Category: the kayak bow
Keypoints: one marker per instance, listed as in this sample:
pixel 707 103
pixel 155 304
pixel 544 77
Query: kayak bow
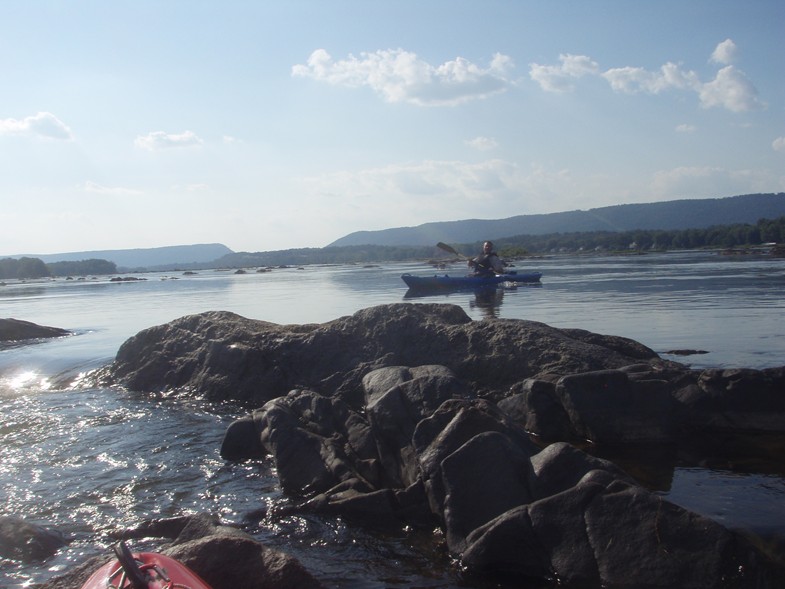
pixel 144 570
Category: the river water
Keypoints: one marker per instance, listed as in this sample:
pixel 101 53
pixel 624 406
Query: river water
pixel 88 461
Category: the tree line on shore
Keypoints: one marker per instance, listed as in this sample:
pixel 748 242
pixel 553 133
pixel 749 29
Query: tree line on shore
pixel 30 268
pixel 722 236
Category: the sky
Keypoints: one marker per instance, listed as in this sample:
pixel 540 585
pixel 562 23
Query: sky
pixel 275 125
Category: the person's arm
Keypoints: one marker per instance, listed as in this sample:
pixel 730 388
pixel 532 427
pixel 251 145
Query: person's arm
pixel 497 264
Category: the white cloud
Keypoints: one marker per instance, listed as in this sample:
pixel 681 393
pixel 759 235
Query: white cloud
pixel 685 128
pixel 401 76
pixel 632 80
pixel 160 140
pixel 731 89
pixel 778 144
pixel 724 53
pixel 559 78
pixel 96 188
pixel 482 143
pixel 42 124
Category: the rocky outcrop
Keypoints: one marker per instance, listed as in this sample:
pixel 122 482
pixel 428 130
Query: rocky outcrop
pixel 508 506
pixel 224 356
pixel 226 558
pixel 14 330
pixel 416 415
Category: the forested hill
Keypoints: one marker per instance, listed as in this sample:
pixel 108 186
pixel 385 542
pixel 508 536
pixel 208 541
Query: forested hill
pixel 670 215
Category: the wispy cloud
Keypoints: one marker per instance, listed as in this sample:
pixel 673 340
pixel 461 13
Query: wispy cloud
pixel 705 181
pixel 158 140
pixel 482 143
pixel 42 124
pixel 401 76
pixel 778 144
pixel 685 128
pixel 419 191
pixel 96 188
pixel 632 80
pixel 730 89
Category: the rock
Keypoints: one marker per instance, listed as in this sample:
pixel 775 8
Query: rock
pixel 604 532
pixel 223 356
pixel 607 406
pixel 535 404
pixel 560 467
pixel 397 399
pixel 231 562
pixel 507 506
pixel 469 501
pixel 242 440
pixel 27 542
pixel 226 558
pixel 317 443
pixel 454 424
pixel 414 414
pixel 18 330
pixel 735 400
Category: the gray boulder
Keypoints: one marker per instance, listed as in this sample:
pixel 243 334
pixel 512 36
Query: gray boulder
pixel 507 506
pixel 606 532
pixel 13 330
pixel 735 400
pixel 224 356
pixel 27 542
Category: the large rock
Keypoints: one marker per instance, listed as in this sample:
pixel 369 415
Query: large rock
pixel 223 556
pixel 18 330
pixel 735 400
pixel 604 532
pixel 415 414
pixel 507 506
pixel 223 356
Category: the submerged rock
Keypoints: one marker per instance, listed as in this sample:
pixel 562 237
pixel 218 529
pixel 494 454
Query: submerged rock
pixel 27 542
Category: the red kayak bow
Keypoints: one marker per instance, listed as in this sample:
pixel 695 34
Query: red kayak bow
pixel 144 570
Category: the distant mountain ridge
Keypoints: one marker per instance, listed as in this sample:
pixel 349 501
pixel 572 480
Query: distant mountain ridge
pixel 668 215
pixel 148 258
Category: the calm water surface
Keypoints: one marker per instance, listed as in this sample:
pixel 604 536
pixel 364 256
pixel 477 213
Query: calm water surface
pixel 88 461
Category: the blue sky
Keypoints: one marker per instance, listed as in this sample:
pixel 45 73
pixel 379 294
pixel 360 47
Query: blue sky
pixel 273 125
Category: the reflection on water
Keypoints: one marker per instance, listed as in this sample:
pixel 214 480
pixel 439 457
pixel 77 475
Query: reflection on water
pixel 488 301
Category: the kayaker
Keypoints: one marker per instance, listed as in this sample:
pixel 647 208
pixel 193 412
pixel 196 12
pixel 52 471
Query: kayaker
pixel 488 262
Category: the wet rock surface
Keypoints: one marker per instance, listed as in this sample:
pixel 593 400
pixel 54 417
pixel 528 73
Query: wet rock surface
pixel 416 415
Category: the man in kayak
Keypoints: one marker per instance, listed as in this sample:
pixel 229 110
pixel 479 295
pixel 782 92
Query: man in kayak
pixel 488 262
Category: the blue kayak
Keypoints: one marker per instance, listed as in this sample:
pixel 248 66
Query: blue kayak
pixel 446 282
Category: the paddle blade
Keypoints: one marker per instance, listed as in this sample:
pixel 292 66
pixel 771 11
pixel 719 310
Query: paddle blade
pixel 447 248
